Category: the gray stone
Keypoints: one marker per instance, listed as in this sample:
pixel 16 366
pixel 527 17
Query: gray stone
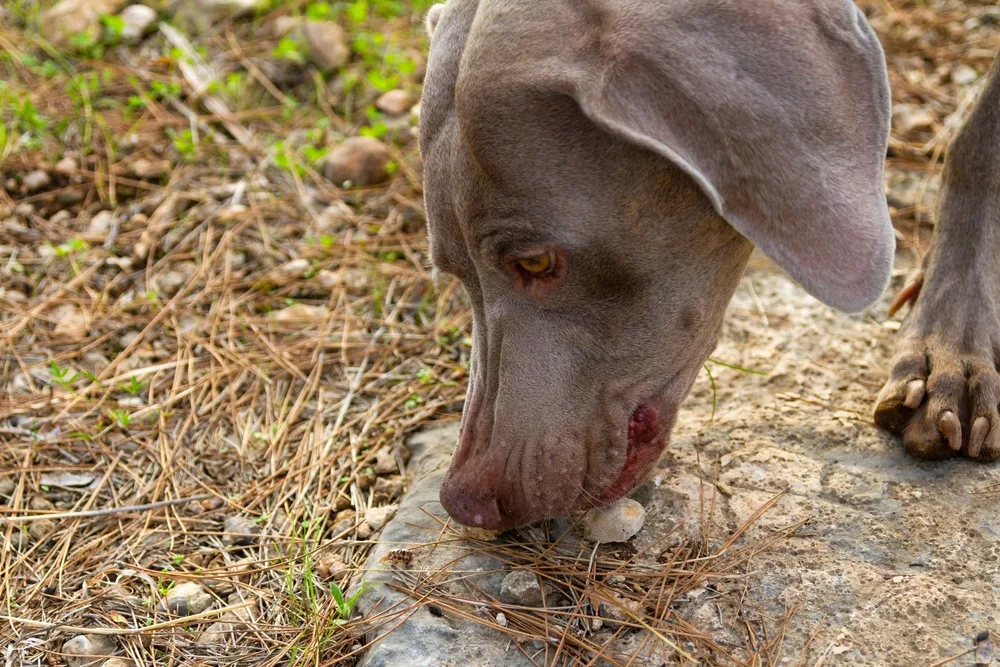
pixel 909 117
pixel 149 170
pixel 377 517
pixel 68 18
pixel 385 462
pixel 963 75
pixel 327 44
pixel 39 530
pixel 521 587
pixel 66 166
pixel 88 650
pixel 101 223
pixel 424 639
pixel 359 161
pixel 118 662
pixel 138 19
pixel 239 531
pixel 187 599
pixel 394 102
pixel 36 180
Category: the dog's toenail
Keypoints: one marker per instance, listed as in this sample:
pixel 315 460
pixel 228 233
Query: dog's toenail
pixel 951 428
pixel 915 391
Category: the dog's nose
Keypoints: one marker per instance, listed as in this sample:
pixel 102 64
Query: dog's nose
pixel 472 504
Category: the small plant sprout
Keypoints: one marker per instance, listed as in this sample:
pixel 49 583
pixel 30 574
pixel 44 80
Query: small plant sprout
pixel 121 417
pixel 345 606
pixel 64 377
pixel 134 387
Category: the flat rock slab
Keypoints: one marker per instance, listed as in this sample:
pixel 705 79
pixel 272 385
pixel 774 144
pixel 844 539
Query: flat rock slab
pixel 896 561
pixel 421 635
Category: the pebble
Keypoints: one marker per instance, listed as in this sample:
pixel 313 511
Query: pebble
pixel 137 19
pixel 149 170
pixel 360 161
pixel 67 166
pixel 216 633
pixel 209 504
pixel 521 587
pixel 95 361
pixel 71 322
pixel 187 599
pixel 300 312
pixel 963 75
pixel 909 117
pixel 88 650
pixel 39 530
pixel 618 611
pixel 366 478
pixel 67 478
pixel 60 217
pixel 377 517
pixel 170 282
pixel 7 486
pixel 240 531
pixel 327 44
pixel 395 102
pixel 283 25
pixel 344 521
pixel 101 223
pixel 331 565
pixel 36 180
pixel 353 280
pixel 388 487
pixel 481 534
pixel 617 522
pixel 223 629
pixel 290 272
pixel 68 18
pixel 385 462
pixel 118 662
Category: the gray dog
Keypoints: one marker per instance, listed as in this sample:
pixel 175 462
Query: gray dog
pixel 597 174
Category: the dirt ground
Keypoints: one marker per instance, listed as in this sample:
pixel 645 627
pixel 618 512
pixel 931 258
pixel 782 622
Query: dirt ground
pixel 897 561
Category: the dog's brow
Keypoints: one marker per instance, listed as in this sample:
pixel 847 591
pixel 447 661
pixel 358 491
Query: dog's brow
pixel 500 237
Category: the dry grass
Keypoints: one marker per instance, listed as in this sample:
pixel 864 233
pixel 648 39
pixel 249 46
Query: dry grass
pixel 607 605
pixel 188 359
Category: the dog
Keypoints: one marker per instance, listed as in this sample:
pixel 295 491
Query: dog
pixel 597 173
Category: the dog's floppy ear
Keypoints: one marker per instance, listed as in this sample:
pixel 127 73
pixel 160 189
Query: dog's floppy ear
pixel 779 109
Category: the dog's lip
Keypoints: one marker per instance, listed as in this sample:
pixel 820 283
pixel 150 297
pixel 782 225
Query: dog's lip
pixel 643 450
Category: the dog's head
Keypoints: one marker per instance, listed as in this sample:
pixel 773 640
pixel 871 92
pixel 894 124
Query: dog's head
pixel 595 174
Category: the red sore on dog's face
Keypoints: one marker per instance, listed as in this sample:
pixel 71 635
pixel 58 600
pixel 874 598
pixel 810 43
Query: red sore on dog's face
pixel 597 275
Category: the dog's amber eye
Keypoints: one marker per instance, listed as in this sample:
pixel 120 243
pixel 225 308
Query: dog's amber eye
pixel 538 265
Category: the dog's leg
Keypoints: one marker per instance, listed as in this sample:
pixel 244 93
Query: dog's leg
pixel 944 387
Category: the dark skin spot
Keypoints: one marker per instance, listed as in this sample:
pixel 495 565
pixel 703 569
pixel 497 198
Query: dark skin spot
pixel 690 319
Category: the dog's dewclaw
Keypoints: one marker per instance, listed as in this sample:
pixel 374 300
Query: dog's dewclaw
pixel 617 522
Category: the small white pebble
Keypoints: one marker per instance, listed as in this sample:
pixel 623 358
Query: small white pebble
pixel 502 620
pixel 617 522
